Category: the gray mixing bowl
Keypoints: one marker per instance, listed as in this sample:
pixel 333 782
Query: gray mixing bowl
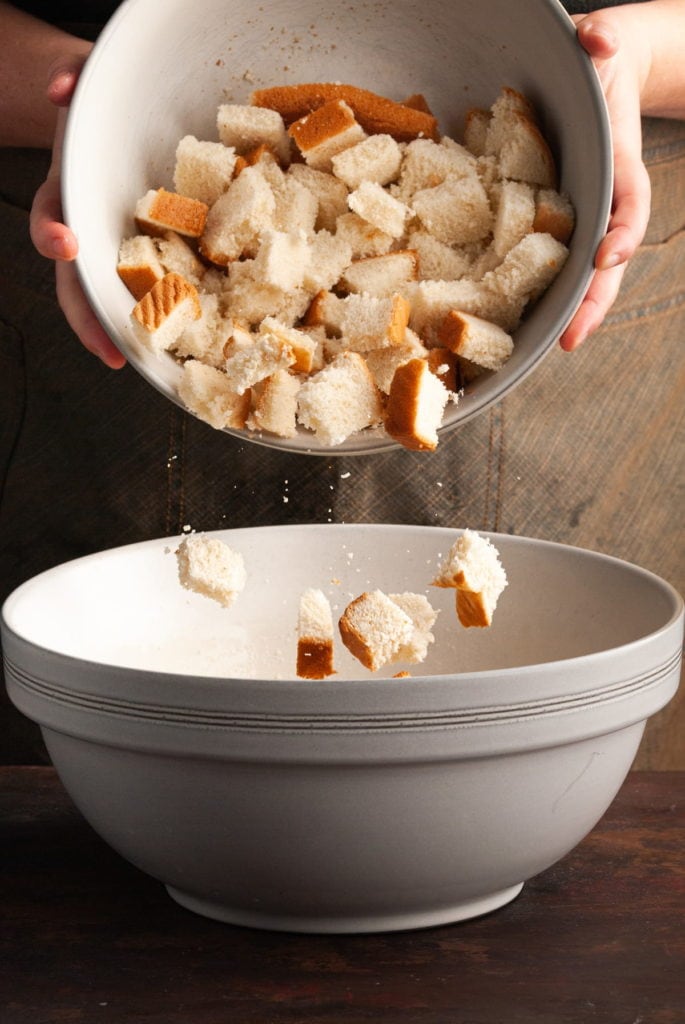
pixel 357 803
pixel 172 72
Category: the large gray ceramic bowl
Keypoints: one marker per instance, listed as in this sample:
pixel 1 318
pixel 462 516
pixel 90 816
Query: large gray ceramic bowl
pixel 356 803
pixel 157 74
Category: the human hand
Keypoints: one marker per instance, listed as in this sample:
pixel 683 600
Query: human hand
pixel 57 242
pixel 612 38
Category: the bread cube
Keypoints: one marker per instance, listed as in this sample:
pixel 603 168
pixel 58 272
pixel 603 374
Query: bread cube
pixel 210 567
pixel 340 399
pixel 275 404
pixel 159 211
pixel 416 404
pixel 161 316
pixel 456 211
pixel 377 158
pixel 207 392
pixel 245 128
pixel 314 636
pixel 203 170
pixel 139 266
pixel 325 132
pixel 375 205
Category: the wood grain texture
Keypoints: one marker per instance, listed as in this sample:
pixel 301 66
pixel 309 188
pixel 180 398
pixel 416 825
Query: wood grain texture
pixel 87 938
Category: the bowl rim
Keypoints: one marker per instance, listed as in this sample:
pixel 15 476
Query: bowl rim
pixel 372 440
pixel 338 684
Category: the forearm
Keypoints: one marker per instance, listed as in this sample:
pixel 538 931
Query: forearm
pixel 658 27
pixel 32 52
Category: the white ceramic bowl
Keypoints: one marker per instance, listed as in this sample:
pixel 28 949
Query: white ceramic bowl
pixel 357 803
pixel 156 75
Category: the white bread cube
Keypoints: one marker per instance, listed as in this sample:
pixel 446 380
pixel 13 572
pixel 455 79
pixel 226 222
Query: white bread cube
pixel 479 341
pixel 304 346
pixel 245 128
pixel 476 123
pixel 139 266
pixel 473 567
pixel 363 238
pixel 163 313
pixel 374 628
pixel 554 214
pixel 456 211
pixel 238 218
pixel 296 208
pixel 175 254
pixel 529 267
pixel 514 217
pixel 383 362
pixel 325 132
pixel 436 260
pixel 203 170
pixel 431 300
pixel 415 407
pixel 265 161
pixel 329 258
pixel 274 405
pixel 381 275
pixel 339 400
pixel 245 297
pixel 375 205
pixel 369 322
pixel 524 154
pixel 210 567
pixel 330 194
pixel 426 164
pixel 204 339
pixel 282 260
pixel 248 365
pixel 484 263
pixel 326 310
pixel 207 392
pixel 377 158
pixel 314 636
pixel 509 105
pixel 292 306
pixel 423 616
pixel 158 211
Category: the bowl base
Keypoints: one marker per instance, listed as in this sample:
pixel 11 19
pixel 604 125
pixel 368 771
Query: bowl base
pixel 346 925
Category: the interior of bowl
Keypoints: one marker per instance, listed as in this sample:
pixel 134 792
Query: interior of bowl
pixel 154 78
pixel 126 607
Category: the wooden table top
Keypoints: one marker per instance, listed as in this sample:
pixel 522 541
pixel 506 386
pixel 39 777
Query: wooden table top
pixel 86 937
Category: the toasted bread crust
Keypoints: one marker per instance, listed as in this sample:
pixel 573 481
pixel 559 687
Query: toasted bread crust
pixel 164 296
pixel 172 211
pixel 326 122
pixel 445 361
pixel 471 609
pixel 403 405
pixel 139 279
pixel 314 658
pixel 452 331
pixel 353 640
pixel 376 114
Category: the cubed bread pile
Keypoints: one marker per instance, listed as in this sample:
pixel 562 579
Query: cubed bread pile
pixel 378 629
pixel 332 263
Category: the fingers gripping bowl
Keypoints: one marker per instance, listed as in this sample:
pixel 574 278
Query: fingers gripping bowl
pixel 356 803
pixel 117 147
